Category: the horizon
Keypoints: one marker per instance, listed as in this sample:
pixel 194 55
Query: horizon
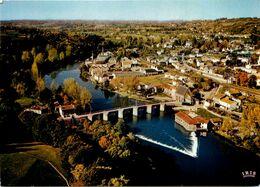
pixel 129 10
pixel 124 21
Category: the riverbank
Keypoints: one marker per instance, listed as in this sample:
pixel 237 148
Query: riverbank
pixel 229 139
pixel 154 99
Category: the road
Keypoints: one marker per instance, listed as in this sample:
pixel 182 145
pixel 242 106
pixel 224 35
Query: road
pixel 250 91
pixel 211 76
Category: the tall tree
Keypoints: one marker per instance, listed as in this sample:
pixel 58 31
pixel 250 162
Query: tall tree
pixel 68 51
pixel 243 78
pixel 39 58
pixel 61 55
pixel 52 54
pixel 26 56
pixel 40 84
pixel 34 71
pixel 54 85
pixel 252 81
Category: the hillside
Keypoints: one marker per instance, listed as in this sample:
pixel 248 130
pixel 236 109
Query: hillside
pixel 27 164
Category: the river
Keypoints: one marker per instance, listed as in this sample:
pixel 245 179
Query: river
pixel 206 160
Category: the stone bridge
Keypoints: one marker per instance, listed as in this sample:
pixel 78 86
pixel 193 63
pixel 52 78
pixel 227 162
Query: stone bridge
pixel 120 111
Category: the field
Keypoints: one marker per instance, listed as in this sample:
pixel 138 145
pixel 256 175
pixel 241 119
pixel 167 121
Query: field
pixel 204 113
pixel 27 164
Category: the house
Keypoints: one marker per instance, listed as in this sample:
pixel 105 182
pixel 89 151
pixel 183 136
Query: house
pixel 169 76
pixel 206 104
pixel 149 71
pixel 258 79
pixel 66 110
pixel 96 70
pixel 195 51
pixel 158 69
pixel 37 109
pixel 170 90
pixel 103 58
pixel 126 63
pixel 100 74
pixel 184 95
pixel 191 121
pixel 147 89
pixel 188 44
pixel 160 52
pixel 233 93
pixel 226 102
pixel 127 74
pixel 112 62
pixel 216 122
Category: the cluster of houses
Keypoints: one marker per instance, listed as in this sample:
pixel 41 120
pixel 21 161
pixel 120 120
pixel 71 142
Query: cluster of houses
pixel 105 67
pixel 229 100
pixel 210 61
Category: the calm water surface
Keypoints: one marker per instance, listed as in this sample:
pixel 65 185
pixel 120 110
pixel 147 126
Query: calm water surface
pixel 201 160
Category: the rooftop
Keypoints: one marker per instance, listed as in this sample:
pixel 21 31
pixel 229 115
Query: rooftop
pixel 191 118
pixel 227 100
pixel 68 107
pixel 219 96
pixel 182 90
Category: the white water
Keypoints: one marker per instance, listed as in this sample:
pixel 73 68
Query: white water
pixel 192 152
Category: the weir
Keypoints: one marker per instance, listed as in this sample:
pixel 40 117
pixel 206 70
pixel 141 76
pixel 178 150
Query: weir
pixel 192 152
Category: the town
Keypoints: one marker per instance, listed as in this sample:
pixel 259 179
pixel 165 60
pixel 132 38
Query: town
pixel 221 80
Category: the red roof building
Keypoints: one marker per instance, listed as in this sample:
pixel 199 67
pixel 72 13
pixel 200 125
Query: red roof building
pixel 191 121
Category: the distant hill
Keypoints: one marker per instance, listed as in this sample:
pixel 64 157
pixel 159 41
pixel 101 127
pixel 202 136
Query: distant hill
pixel 232 26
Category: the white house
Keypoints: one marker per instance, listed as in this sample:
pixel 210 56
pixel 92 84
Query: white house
pixel 258 79
pixel 126 63
pixel 226 102
pixel 169 76
pixel 170 90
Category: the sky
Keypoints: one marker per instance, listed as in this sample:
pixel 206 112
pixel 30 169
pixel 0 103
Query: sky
pixel 161 10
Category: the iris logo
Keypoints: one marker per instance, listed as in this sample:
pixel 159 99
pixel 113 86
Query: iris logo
pixel 250 174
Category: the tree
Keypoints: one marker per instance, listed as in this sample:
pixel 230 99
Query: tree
pixel 227 125
pixel 54 85
pixel 252 81
pixel 85 97
pixel 243 78
pixel 40 84
pixel 52 54
pixel 78 93
pixel 34 71
pixel 26 56
pixel 21 88
pixel 72 88
pixel 33 52
pixel 254 36
pixel 104 142
pixel 61 56
pixel 68 51
pixel 121 181
pixel 39 58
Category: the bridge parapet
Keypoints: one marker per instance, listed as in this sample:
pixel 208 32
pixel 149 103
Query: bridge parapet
pixel 105 113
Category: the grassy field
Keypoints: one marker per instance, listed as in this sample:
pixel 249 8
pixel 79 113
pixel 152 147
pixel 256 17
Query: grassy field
pixel 27 164
pixel 25 101
pixel 204 113
pixel 154 80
